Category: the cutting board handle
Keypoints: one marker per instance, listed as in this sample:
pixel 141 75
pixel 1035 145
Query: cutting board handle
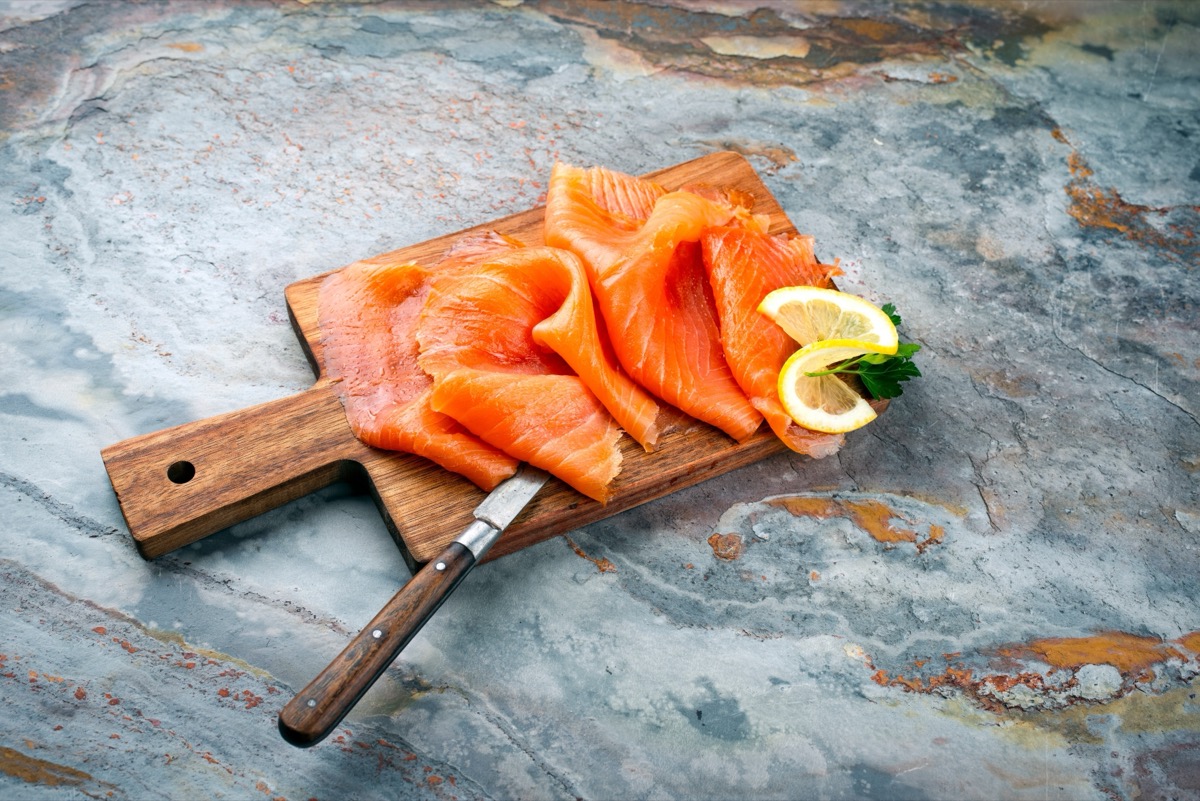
pixel 181 484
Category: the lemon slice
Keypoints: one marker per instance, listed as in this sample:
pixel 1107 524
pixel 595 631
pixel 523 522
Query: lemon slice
pixel 825 403
pixel 810 314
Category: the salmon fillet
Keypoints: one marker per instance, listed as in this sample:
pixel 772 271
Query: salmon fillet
pixel 367 316
pixel 743 267
pixel 518 357
pixel 641 246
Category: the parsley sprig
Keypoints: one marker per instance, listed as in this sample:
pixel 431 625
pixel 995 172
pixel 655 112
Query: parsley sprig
pixel 879 373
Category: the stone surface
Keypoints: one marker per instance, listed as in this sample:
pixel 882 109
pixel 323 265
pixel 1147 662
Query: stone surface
pixel 989 593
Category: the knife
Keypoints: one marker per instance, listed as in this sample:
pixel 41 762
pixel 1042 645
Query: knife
pixel 319 708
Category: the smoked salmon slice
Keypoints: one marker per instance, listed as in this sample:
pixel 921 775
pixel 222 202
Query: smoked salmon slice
pixel 576 333
pixel 368 314
pixel 641 245
pixel 743 267
pixel 517 356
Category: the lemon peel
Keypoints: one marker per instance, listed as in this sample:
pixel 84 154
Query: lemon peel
pixel 811 314
pixel 825 402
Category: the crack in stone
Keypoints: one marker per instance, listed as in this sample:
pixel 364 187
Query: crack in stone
pixel 982 486
pixel 893 444
pixel 94 529
pixel 512 735
pixel 86 525
pixel 227 586
pixel 1116 373
pixel 1019 416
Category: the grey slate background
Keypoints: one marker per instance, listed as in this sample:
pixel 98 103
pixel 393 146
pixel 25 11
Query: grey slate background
pixel 1022 181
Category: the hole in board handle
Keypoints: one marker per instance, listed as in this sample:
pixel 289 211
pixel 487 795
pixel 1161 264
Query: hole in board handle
pixel 181 472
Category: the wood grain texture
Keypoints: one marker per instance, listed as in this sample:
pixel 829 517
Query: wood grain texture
pixel 314 712
pixel 252 460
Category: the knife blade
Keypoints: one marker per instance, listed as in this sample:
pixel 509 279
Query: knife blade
pixel 320 707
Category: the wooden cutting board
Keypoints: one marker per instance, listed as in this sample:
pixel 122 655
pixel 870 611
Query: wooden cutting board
pixel 181 484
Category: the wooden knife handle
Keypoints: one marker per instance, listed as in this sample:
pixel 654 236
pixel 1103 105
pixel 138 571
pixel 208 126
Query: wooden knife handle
pixel 319 708
pixel 181 484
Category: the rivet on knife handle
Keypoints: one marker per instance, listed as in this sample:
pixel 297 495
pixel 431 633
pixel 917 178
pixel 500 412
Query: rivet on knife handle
pixel 320 707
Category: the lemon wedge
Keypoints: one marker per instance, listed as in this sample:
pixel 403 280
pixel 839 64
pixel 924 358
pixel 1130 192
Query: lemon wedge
pixel 811 314
pixel 825 403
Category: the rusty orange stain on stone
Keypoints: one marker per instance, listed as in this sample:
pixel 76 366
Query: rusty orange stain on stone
pixel 826 47
pixel 602 564
pixel 126 644
pixel 963 679
pixel 1095 207
pixel 251 699
pixel 875 517
pixel 187 47
pixel 1191 642
pixel 872 516
pixel 1128 653
pixel 1131 654
pixel 39 771
pixel 726 546
pixel 871 29
pixel 936 535
pixel 1077 166
pixel 950 677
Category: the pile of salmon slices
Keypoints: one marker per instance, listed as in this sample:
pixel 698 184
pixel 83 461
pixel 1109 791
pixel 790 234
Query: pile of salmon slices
pixel 637 299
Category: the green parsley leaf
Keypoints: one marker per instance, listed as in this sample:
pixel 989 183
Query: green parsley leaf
pixel 890 310
pixel 881 374
pixel 883 380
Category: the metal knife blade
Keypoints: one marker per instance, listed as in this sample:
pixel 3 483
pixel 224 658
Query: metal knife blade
pixel 505 502
pixel 500 508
